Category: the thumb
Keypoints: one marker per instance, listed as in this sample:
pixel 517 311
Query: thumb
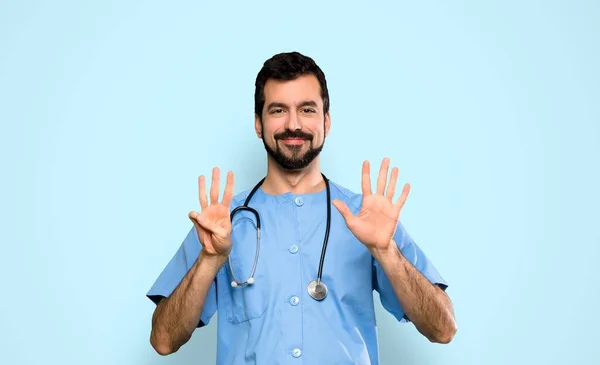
pixel 193 216
pixel 212 227
pixel 344 210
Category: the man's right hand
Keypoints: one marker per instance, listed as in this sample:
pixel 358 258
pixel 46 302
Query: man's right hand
pixel 176 317
pixel 213 223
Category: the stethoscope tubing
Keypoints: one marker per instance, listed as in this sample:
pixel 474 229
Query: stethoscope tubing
pixel 245 207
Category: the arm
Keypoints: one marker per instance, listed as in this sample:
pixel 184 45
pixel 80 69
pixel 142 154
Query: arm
pixel 376 226
pixel 177 316
pixel 424 303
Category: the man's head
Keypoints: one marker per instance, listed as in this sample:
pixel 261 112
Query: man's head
pixel 291 106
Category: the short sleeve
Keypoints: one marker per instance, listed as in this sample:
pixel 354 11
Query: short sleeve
pixel 417 258
pixel 176 269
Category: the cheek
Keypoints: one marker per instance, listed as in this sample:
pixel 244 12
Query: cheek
pixel 273 127
pixel 268 133
pixel 318 130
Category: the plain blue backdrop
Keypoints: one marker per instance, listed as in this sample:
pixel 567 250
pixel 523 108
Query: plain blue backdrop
pixel 110 110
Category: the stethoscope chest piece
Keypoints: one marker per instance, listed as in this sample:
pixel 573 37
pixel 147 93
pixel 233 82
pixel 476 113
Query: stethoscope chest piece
pixel 317 290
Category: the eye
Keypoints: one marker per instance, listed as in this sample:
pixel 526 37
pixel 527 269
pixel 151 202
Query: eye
pixel 276 111
pixel 309 110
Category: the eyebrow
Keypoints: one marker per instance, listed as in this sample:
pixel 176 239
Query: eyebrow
pixel 308 103
pixel 282 105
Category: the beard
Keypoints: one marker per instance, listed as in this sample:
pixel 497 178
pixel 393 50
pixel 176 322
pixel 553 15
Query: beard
pixel 297 160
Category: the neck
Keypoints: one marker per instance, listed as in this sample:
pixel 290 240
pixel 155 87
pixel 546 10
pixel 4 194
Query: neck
pixel 279 181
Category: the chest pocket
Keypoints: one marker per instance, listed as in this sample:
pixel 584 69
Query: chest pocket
pixel 243 303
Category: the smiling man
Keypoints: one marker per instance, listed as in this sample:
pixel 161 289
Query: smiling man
pixel 306 297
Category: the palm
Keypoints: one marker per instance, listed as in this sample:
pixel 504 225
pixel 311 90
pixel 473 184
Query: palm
pixel 213 224
pixel 212 242
pixel 376 222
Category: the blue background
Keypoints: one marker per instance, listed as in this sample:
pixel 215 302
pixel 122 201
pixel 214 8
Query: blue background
pixel 110 110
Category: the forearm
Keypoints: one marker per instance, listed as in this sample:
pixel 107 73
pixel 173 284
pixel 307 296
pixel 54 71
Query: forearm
pixel 177 316
pixel 425 304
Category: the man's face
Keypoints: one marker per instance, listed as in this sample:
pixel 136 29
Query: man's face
pixel 294 126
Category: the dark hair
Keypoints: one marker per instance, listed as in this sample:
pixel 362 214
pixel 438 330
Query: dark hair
pixel 287 66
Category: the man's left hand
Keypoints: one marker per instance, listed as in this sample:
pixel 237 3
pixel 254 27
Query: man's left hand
pixel 377 220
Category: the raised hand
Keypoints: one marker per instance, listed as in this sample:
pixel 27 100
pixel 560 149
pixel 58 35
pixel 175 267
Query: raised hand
pixel 213 223
pixel 377 220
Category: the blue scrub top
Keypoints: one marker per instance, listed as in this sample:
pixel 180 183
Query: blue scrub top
pixel 275 321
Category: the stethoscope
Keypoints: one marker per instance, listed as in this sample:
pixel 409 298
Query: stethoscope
pixel 316 288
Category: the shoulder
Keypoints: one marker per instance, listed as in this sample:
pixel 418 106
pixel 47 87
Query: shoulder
pixel 352 199
pixel 239 198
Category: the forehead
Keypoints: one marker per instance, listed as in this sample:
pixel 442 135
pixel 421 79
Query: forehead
pixel 301 89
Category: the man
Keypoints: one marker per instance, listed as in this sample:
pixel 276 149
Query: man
pixel 281 314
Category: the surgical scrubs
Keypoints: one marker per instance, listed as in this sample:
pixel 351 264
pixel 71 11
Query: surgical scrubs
pixel 275 321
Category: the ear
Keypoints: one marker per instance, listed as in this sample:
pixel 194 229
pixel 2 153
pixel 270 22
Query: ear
pixel 327 123
pixel 257 126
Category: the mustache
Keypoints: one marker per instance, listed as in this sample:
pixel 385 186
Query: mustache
pixel 293 134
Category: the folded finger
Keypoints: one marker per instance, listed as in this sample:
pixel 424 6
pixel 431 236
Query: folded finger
pixel 212 227
pixel 193 216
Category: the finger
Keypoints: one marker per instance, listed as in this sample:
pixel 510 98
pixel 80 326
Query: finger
pixel 228 194
pixel 391 189
pixel 193 215
pixel 214 186
pixel 382 178
pixel 212 227
pixel 366 179
pixel 202 192
pixel 344 210
pixel 400 202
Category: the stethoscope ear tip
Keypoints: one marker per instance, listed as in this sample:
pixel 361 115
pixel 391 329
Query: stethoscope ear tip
pixel 316 288
pixel 236 284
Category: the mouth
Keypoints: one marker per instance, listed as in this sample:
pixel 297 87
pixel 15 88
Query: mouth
pixel 293 141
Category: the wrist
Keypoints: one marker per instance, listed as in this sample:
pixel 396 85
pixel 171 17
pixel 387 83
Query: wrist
pixel 215 261
pixel 386 255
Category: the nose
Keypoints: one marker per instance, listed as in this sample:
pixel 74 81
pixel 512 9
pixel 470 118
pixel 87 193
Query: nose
pixel 293 122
